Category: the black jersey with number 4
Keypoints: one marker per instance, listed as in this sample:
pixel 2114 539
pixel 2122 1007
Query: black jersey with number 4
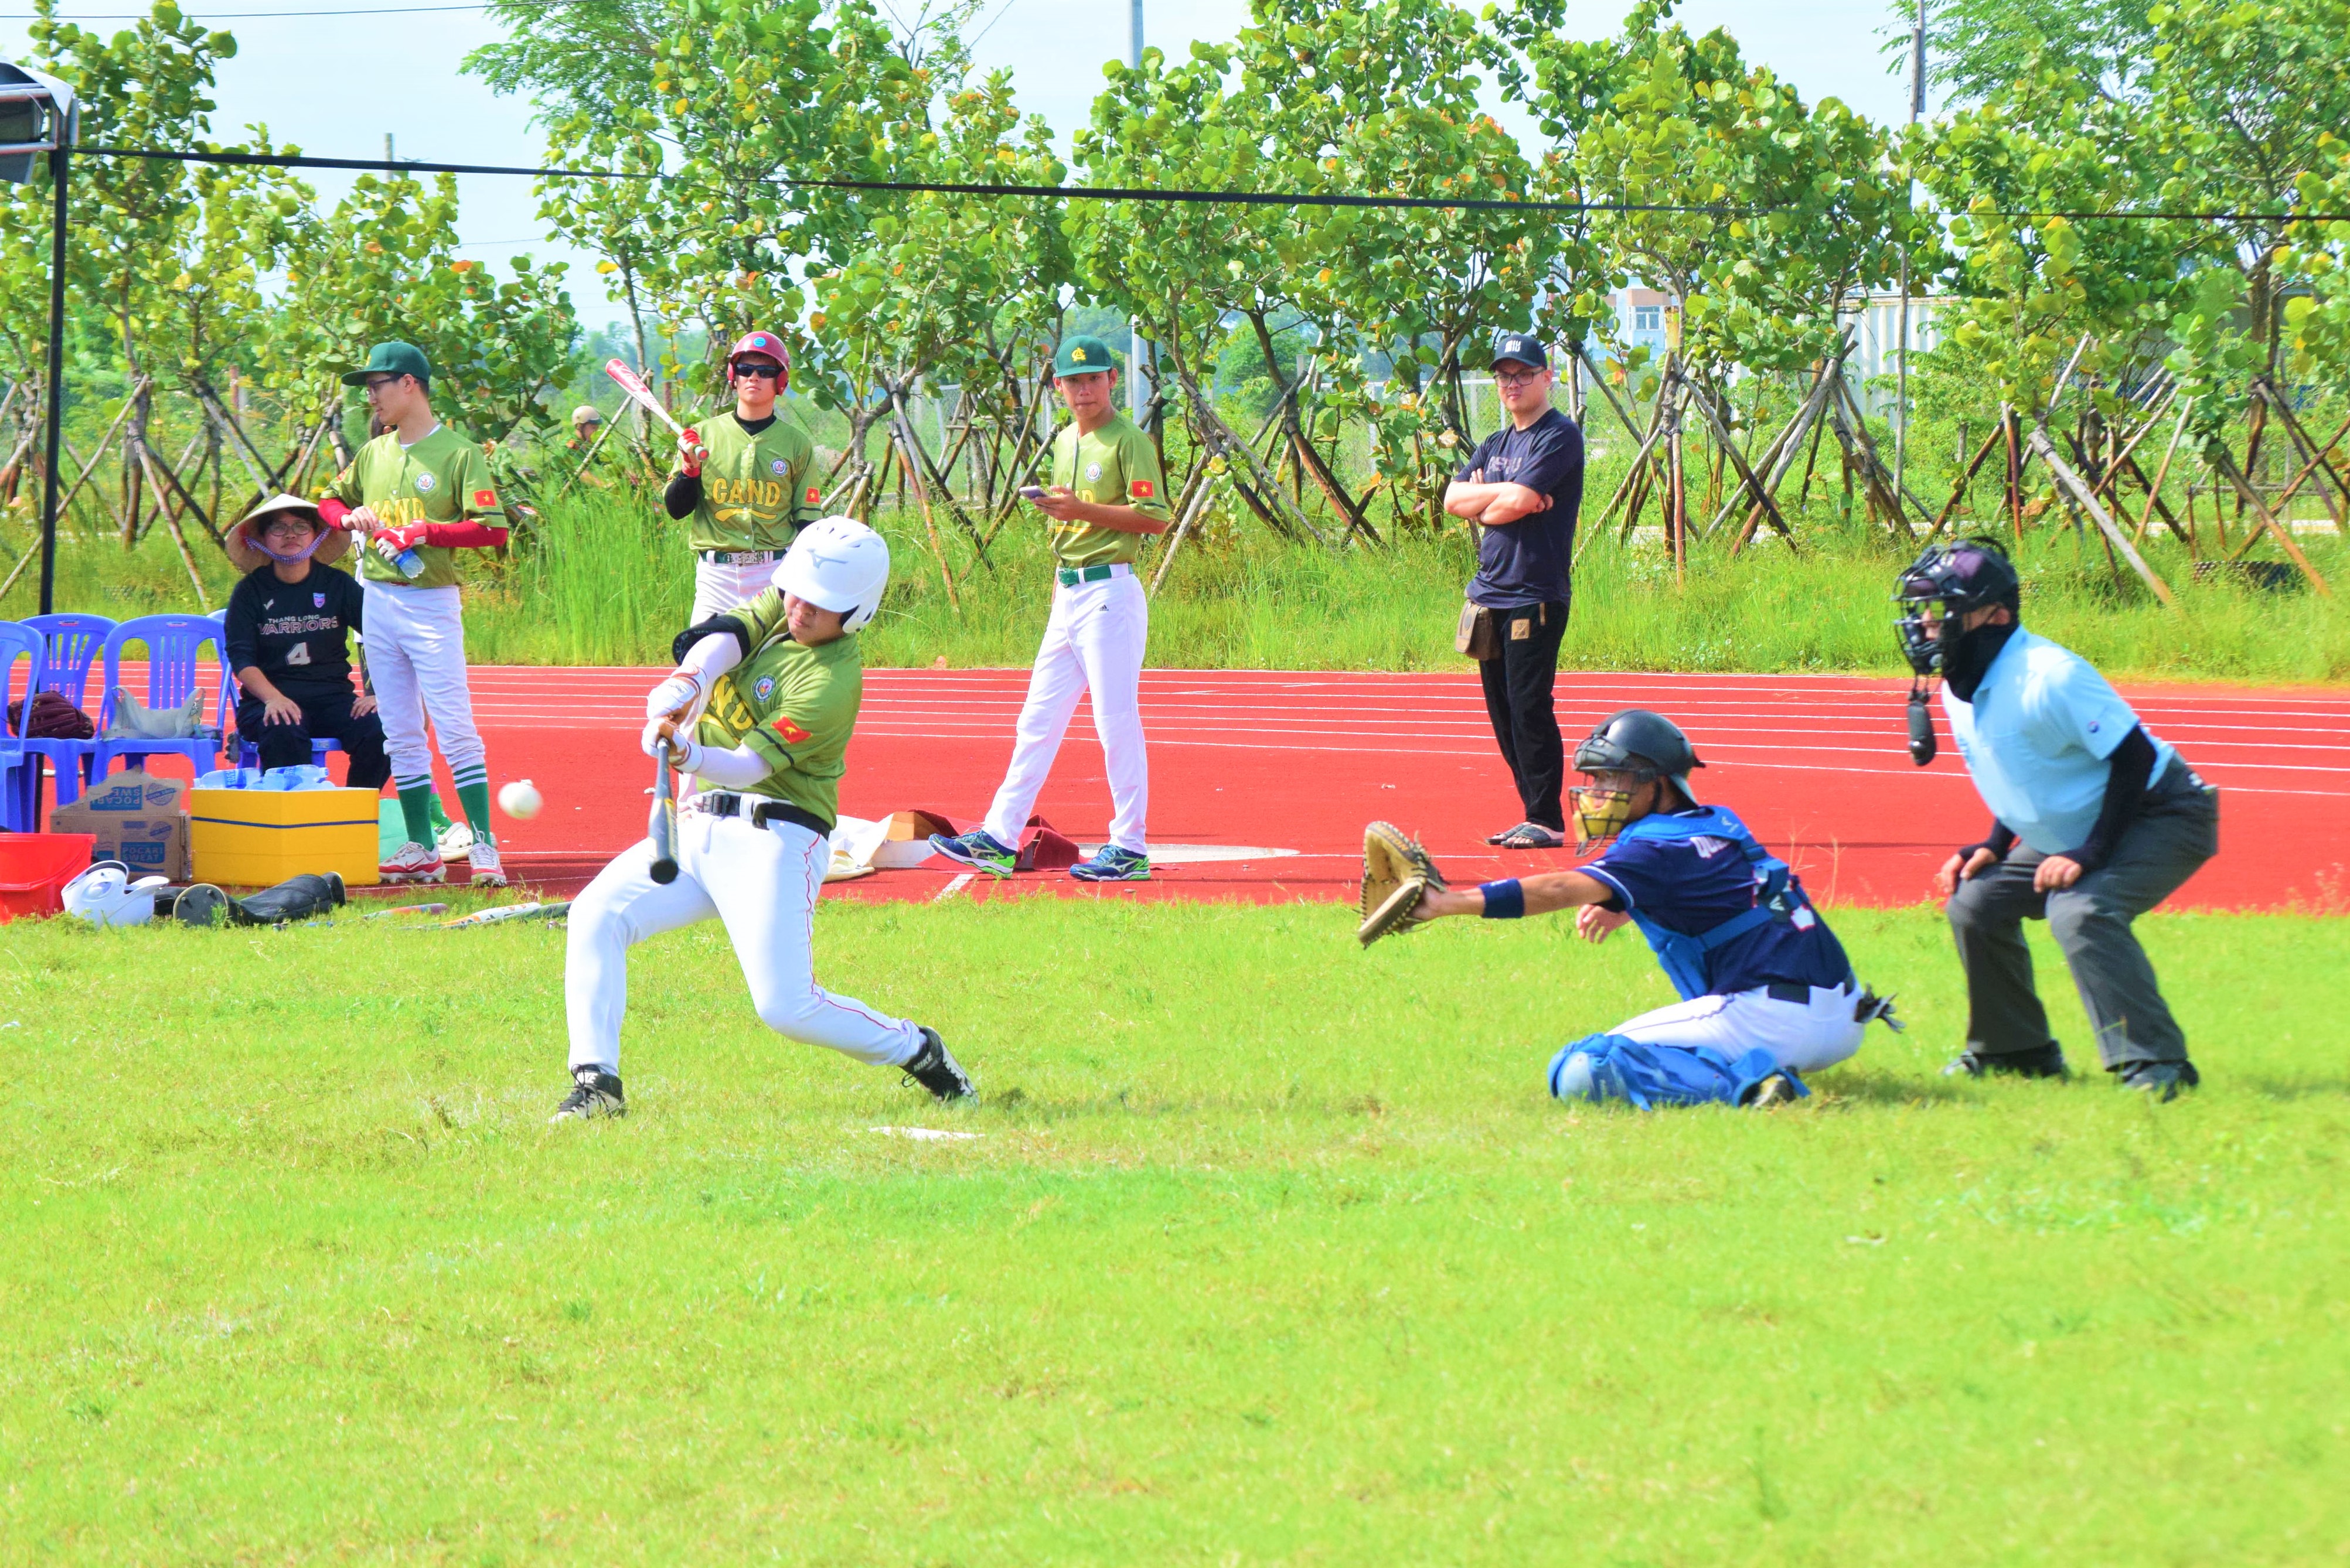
pixel 297 634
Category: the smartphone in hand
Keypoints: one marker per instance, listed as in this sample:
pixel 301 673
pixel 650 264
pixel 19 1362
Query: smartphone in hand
pixel 1032 493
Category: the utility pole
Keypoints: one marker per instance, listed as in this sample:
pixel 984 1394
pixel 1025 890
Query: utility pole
pixel 1133 335
pixel 387 147
pixel 1901 363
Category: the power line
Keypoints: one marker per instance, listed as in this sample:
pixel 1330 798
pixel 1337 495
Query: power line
pixel 1134 193
pixel 265 15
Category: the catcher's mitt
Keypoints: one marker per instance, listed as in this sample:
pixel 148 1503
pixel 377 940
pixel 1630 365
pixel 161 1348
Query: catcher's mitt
pixel 1397 874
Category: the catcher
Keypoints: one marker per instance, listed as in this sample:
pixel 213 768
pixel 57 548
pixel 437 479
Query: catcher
pixel 1766 991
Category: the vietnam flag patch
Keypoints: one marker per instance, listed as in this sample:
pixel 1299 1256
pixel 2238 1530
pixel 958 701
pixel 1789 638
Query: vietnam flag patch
pixel 1142 490
pixel 790 731
pixel 486 500
pixel 814 495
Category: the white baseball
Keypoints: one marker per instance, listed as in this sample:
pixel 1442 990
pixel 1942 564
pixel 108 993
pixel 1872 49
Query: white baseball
pixel 520 800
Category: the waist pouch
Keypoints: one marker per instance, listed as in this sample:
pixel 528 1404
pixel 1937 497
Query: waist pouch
pixel 1478 635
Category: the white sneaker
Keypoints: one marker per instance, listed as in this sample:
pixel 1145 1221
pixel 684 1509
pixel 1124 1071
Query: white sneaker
pixel 414 862
pixel 487 872
pixel 456 839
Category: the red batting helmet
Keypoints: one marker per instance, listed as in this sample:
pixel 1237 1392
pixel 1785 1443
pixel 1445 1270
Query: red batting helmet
pixel 765 343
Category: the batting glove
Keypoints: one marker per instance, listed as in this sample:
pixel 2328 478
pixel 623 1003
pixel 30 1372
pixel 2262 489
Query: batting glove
pixel 685 752
pixel 393 541
pixel 675 695
pixel 691 455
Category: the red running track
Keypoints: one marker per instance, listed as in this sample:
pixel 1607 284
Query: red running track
pixel 1298 762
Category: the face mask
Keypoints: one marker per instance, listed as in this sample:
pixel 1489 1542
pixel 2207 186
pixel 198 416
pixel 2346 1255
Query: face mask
pixel 1967 656
pixel 1599 813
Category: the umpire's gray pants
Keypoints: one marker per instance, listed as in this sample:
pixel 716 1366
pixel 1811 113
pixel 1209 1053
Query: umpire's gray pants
pixel 2177 830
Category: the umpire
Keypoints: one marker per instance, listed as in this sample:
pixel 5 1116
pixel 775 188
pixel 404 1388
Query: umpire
pixel 1525 485
pixel 2094 822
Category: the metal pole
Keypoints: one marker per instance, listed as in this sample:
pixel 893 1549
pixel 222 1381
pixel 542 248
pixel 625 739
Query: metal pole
pixel 55 435
pixel 1133 337
pixel 1901 366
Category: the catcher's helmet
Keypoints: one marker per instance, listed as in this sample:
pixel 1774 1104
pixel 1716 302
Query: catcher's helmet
pixel 1637 740
pixel 1961 577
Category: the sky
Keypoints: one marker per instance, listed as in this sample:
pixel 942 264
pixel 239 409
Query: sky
pixel 336 86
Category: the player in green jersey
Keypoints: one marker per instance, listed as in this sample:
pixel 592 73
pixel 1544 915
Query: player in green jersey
pixel 421 492
pixel 759 711
pixel 746 485
pixel 1106 493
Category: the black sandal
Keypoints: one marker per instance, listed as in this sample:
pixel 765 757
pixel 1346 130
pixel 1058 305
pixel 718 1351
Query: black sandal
pixel 1531 836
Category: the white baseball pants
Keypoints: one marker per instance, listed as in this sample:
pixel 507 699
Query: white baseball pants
pixel 1093 643
pixel 762 882
pixel 415 643
pixel 1804 1036
pixel 723 585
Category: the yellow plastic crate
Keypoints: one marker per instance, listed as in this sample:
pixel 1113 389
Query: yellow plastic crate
pixel 259 837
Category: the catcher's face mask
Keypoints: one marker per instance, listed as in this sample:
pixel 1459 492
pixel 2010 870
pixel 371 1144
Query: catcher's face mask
pixel 1607 805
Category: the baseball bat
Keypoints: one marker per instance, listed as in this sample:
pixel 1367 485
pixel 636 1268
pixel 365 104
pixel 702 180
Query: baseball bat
pixel 663 830
pixel 634 385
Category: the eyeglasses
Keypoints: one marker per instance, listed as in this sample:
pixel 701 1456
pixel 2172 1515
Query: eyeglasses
pixel 371 388
pixel 1507 378
pixel 287 525
pixel 763 372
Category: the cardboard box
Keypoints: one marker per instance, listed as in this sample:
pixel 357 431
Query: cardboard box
pixel 259 837
pixel 137 818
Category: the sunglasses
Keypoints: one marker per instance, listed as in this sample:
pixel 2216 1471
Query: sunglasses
pixel 763 372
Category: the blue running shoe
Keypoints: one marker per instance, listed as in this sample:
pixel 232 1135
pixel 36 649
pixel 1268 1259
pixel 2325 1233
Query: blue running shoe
pixel 1113 865
pixel 978 851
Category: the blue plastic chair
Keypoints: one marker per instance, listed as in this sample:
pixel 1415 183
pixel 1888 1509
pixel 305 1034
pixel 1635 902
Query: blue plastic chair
pixel 20 771
pixel 70 646
pixel 173 643
pixel 248 754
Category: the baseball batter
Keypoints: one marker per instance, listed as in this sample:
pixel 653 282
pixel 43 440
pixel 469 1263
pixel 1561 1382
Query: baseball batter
pixel 1106 496
pixel 759 710
pixel 421 492
pixel 745 484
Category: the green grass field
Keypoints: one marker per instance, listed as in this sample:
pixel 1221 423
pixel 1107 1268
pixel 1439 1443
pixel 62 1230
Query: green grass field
pixel 1267 1251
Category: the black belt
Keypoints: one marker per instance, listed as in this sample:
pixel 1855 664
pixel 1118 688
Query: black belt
pixel 761 812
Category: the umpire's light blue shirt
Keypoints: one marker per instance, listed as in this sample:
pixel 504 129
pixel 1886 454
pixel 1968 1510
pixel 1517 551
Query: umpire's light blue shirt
pixel 2036 737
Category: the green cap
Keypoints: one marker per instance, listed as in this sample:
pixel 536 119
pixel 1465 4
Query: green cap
pixel 1082 356
pixel 390 359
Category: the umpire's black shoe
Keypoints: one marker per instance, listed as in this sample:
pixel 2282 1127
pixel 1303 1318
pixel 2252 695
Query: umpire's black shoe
pixel 594 1093
pixel 2163 1080
pixel 938 1071
pixel 2048 1061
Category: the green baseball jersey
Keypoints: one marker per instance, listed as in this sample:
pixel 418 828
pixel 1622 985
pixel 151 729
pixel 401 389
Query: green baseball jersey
pixel 756 491
pixel 794 705
pixel 1114 466
pixel 443 478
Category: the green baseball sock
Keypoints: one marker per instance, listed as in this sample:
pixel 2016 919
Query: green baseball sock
pixel 416 810
pixel 475 800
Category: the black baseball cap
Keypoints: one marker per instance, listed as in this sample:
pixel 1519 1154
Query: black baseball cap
pixel 1523 347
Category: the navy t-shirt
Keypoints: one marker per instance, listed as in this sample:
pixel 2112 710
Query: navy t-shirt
pixel 1526 563
pixel 296 634
pixel 1695 884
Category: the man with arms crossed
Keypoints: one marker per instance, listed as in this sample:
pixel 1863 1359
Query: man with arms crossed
pixel 760 710
pixel 1106 495
pixel 746 484
pixel 1523 485
pixel 421 492
pixel 2094 822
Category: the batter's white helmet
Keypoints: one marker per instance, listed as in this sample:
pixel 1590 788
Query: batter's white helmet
pixel 106 895
pixel 840 563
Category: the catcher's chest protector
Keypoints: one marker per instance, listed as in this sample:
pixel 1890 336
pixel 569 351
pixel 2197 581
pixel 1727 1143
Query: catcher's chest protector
pixel 1688 959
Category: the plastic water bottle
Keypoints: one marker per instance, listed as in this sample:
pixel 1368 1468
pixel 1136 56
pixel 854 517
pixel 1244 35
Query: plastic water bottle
pixel 410 563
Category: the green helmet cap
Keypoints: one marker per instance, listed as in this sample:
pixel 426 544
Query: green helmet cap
pixel 392 359
pixel 1082 355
